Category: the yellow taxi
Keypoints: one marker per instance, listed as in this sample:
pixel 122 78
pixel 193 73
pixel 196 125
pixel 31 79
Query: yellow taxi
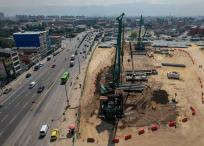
pixel 54 134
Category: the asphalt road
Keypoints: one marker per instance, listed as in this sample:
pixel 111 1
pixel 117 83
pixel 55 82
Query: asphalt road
pixel 25 110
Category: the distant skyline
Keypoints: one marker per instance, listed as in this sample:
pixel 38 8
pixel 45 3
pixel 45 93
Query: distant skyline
pixel 103 7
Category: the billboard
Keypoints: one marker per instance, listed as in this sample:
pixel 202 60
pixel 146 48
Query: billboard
pixel 26 40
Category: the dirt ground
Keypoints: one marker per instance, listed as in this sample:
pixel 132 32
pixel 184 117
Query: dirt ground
pixel 101 59
pixel 187 91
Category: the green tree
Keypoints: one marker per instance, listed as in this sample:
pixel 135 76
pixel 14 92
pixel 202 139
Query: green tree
pixel 6 43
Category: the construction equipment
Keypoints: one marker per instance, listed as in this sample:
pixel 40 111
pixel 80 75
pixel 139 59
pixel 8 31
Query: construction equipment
pixel 173 75
pixel 173 65
pixel 111 105
pixel 140 46
pixel 118 61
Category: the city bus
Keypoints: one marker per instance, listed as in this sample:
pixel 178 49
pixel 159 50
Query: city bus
pixel 64 77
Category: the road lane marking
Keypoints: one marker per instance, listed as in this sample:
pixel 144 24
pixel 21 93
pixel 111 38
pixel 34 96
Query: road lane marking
pixel 1 133
pixel 10 97
pixel 17 104
pixel 4 118
pixel 25 104
pixel 26 93
pixel 10 122
pixel 13 99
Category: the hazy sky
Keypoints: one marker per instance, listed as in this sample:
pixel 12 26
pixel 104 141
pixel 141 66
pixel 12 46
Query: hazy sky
pixel 103 7
pixel 7 3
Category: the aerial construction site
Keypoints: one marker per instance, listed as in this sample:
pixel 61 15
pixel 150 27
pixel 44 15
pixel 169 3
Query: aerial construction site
pixel 115 81
pixel 135 93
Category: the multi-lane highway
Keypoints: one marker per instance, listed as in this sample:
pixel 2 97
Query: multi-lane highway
pixel 25 110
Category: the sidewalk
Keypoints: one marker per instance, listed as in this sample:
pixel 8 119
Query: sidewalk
pixel 71 115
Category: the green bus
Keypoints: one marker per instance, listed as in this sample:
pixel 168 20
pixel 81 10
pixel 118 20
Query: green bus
pixel 64 77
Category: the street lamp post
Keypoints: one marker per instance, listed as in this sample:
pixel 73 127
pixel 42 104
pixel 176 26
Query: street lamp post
pixel 79 65
pixel 66 94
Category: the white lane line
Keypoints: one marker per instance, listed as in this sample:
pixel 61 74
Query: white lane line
pixel 12 119
pixel 1 132
pixel 25 104
pixel 17 104
pixel 17 114
pixel 26 93
pixel 4 118
pixel 13 99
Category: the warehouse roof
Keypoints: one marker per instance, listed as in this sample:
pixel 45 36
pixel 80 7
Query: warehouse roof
pixel 6 50
pixel 170 44
pixel 29 32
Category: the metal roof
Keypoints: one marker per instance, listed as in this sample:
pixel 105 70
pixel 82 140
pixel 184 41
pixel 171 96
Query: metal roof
pixel 170 44
pixel 6 50
pixel 29 32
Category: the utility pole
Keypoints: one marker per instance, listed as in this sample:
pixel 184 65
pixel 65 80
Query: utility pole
pixel 66 94
pixel 85 51
pixel 1 87
pixel 73 139
pixel 79 65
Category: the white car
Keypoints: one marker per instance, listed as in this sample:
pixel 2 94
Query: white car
pixel 71 63
pixel 43 130
pixel 72 57
pixel 32 84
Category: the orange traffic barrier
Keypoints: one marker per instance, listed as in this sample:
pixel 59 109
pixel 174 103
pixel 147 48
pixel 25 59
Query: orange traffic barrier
pixel 193 113
pixel 184 119
pixel 129 136
pixel 172 123
pixel 154 127
pixel 115 140
pixel 141 131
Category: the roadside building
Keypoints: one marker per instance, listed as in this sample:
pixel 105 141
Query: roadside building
pixel 9 64
pixel 81 28
pixel 31 43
